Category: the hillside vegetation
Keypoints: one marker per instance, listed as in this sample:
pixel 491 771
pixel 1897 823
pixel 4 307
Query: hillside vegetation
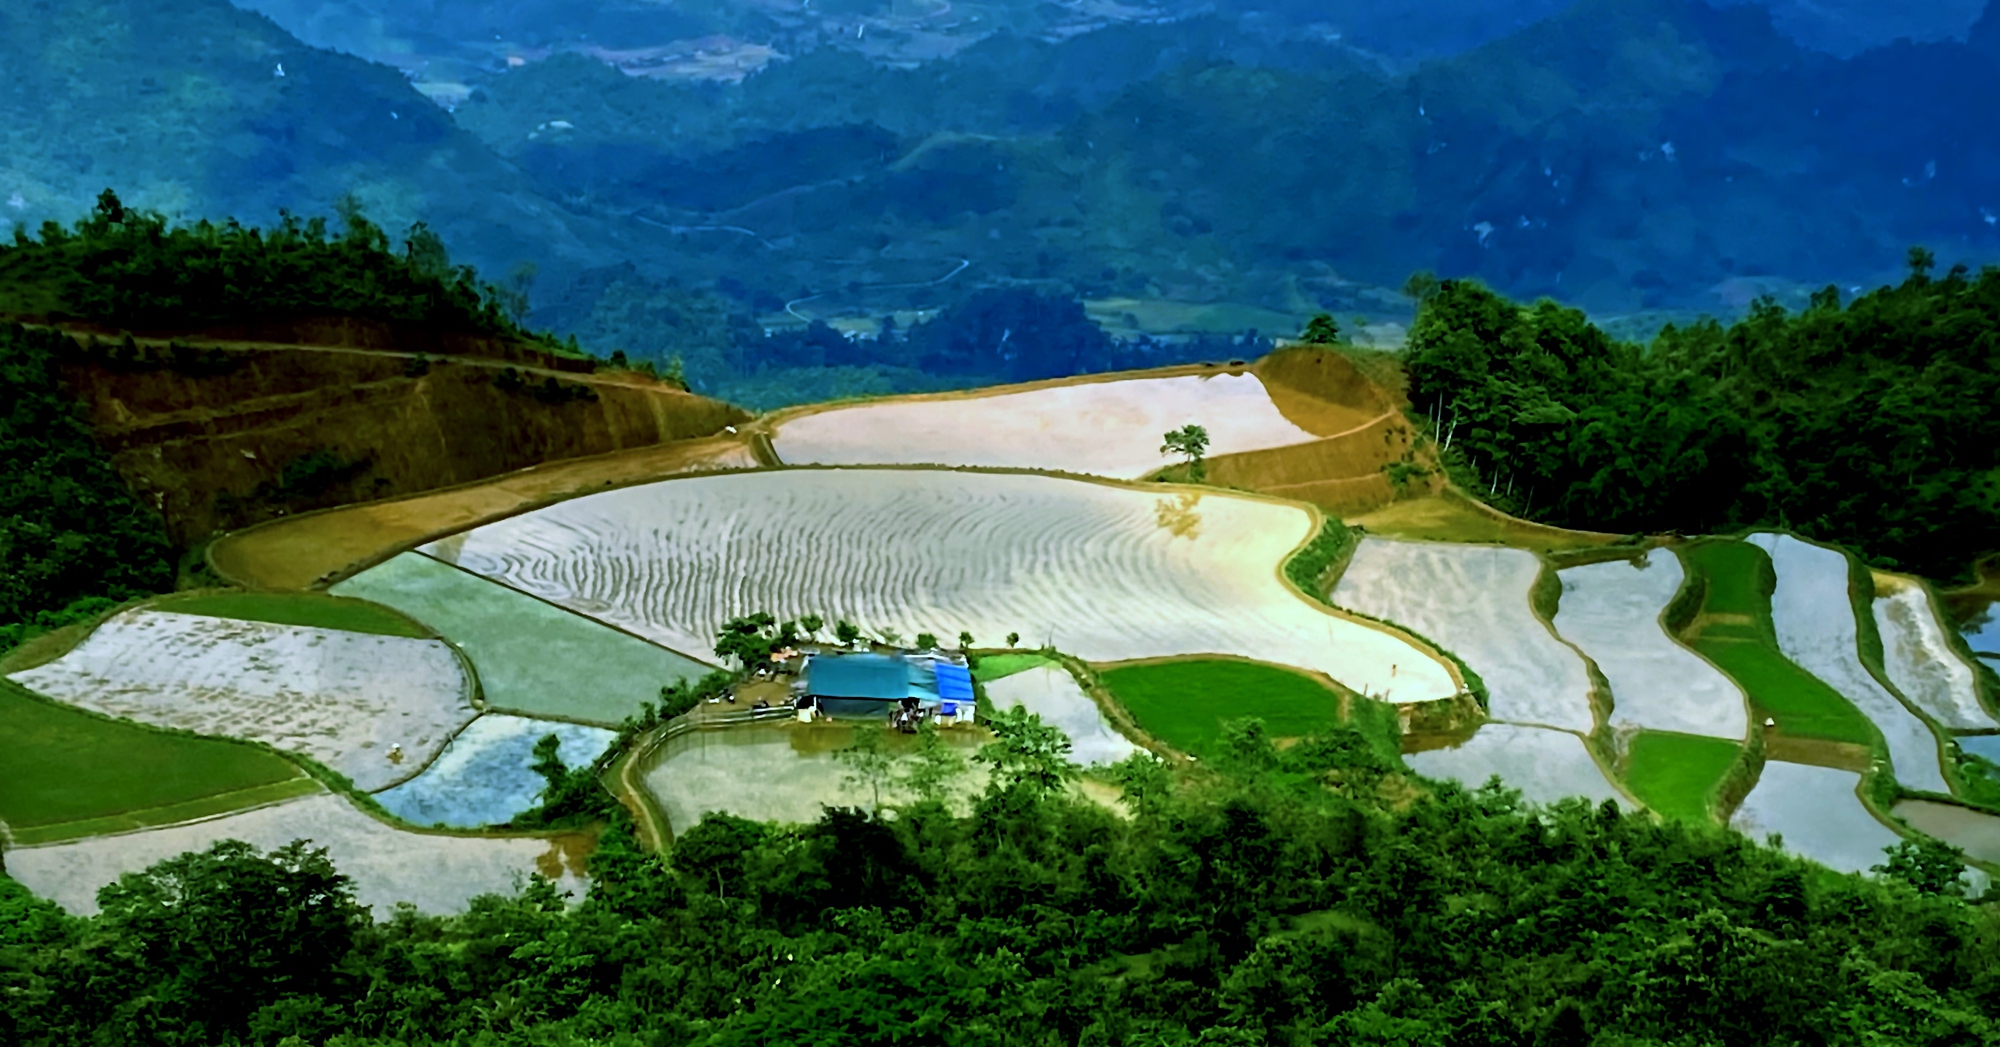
pixel 1869 423
pixel 1315 894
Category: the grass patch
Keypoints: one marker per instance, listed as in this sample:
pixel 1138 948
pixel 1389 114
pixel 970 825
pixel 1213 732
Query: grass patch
pixel 1000 666
pixel 316 610
pixel 1676 774
pixel 1316 565
pixel 532 657
pixel 61 766
pixel 169 814
pixel 1183 703
pixel 1732 628
pixel 1452 517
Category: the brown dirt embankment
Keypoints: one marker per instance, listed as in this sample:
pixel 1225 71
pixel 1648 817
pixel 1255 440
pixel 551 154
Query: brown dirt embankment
pixel 222 435
pixel 1361 427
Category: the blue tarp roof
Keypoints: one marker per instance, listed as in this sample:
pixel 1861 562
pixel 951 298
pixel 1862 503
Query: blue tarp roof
pixel 875 676
pixel 954 682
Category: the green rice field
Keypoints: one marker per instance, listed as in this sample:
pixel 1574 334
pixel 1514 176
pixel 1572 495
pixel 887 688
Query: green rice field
pixel 1182 703
pixel 1734 631
pixel 317 610
pixel 1000 666
pixel 1676 774
pixel 532 657
pixel 65 773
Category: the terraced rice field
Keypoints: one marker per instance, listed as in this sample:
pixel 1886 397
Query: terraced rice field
pixel 311 609
pixel 1184 702
pixel 1677 774
pixel 1815 625
pixel 1049 691
pixel 1545 765
pixel 65 773
pixel 482 776
pixel 1611 612
pixel 1000 666
pixel 1974 832
pixel 775 772
pixel 345 699
pixel 1733 630
pixel 1474 601
pixel 1102 572
pixel 1921 661
pixel 437 874
pixel 1817 813
pixel 532 657
pixel 1101 428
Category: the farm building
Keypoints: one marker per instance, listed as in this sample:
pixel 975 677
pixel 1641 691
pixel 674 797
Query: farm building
pixel 856 684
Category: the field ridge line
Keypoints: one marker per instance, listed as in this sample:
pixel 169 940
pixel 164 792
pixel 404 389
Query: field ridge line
pixel 570 611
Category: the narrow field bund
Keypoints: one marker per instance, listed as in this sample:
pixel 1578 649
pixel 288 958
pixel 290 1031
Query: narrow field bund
pixel 1817 813
pixel 1105 572
pixel 532 657
pixel 374 708
pixel 1096 427
pixel 1543 764
pixel 1475 601
pixel 1184 702
pixel 1677 775
pixel 1049 691
pixel 1814 617
pixel 1733 629
pixel 66 773
pixel 1920 659
pixel 1611 612
pixel 436 873
pixel 482 777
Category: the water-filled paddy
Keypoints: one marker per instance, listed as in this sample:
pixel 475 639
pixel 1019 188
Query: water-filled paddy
pixel 482 776
pixel 1545 765
pixel 1049 691
pixel 1974 832
pixel 1816 812
pixel 1611 611
pixel 1920 660
pixel 532 657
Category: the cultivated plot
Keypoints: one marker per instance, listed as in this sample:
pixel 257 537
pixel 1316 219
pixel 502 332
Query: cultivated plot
pixel 1105 573
pixel 1920 659
pixel 999 666
pixel 314 609
pixel 482 776
pixel 1184 702
pixel 1545 765
pixel 65 773
pixel 1611 612
pixel 782 773
pixel 1816 812
pixel 1816 629
pixel 437 874
pixel 1677 774
pixel 375 708
pixel 1473 600
pixel 1974 832
pixel 1103 428
pixel 1050 692
pixel 532 657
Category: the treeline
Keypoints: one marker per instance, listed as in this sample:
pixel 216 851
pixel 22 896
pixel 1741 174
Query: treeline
pixel 1870 424
pixel 1312 894
pixel 73 537
pixel 134 269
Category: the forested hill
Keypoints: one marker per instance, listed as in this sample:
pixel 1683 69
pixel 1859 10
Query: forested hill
pixel 1869 423
pixel 1312 895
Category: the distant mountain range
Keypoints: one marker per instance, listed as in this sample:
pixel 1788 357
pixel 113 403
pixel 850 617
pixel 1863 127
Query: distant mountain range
pixel 1290 156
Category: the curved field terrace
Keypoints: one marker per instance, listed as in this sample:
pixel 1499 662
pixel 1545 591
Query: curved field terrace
pixel 483 776
pixel 437 874
pixel 1611 612
pixel 1545 765
pixel 1473 600
pixel 1816 812
pixel 1103 572
pixel 1919 657
pixel 1816 629
pixel 1102 428
pixel 375 708
pixel 1049 691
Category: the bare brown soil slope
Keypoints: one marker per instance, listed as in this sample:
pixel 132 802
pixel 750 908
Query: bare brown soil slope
pixel 229 434
pixel 1361 428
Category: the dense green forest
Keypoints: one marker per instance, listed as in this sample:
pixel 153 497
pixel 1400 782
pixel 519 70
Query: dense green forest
pixel 1869 423
pixel 1315 894
pixel 73 538
pixel 134 269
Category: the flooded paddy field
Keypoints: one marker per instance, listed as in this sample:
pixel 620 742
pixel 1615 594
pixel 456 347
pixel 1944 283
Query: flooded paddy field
pixel 1545 765
pixel 1817 814
pixel 482 776
pixel 1049 691
pixel 1611 611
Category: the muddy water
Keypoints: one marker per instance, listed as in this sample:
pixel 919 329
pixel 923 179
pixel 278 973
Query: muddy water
pixel 1974 832
pixel 782 772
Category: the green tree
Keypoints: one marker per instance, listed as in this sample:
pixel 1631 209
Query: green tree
pixel 1931 866
pixel 812 624
pixel 846 632
pixel 1321 330
pixel 927 641
pixel 1013 638
pixel 964 640
pixel 868 762
pixel 1191 443
pixel 1026 755
pixel 929 773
